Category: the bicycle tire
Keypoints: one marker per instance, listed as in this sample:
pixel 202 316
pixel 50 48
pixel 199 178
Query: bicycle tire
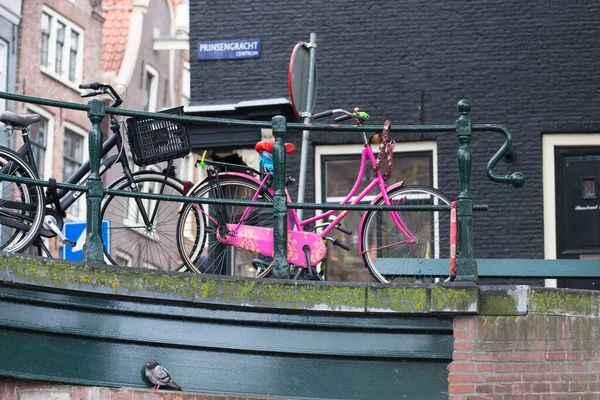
pixel 130 240
pixel 21 205
pixel 202 252
pixel 381 239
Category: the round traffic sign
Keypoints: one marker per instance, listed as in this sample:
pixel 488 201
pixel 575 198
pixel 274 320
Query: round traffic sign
pixel 298 80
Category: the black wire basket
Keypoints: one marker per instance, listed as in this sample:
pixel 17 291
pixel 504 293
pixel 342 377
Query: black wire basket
pixel 153 141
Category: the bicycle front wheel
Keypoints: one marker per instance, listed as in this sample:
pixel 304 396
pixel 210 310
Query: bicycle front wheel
pixel 388 253
pixel 141 232
pixel 197 230
pixel 21 204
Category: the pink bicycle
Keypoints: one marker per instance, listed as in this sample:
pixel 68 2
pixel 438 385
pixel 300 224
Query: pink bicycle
pixel 238 239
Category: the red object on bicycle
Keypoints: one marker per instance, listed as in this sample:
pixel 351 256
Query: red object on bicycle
pixel 453 239
pixel 268 147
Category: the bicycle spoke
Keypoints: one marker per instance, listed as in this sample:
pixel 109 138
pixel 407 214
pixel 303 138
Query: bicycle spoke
pixel 389 254
pixel 150 245
pixel 198 227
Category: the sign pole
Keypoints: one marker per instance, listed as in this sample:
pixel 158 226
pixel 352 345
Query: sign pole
pixel 312 48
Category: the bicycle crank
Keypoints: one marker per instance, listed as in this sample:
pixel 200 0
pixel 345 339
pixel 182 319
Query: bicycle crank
pixel 51 225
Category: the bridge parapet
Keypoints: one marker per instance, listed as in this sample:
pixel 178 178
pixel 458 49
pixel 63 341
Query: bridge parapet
pixel 55 315
pixel 232 291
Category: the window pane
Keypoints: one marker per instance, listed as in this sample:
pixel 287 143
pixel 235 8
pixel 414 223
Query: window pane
pixel 149 78
pixel 45 23
pixel 45 39
pixel 341 171
pixel 72 153
pixel 72 160
pixel 37 137
pixel 73 56
pixel 60 42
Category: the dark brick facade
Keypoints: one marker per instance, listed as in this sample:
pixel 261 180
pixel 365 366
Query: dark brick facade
pixel 532 67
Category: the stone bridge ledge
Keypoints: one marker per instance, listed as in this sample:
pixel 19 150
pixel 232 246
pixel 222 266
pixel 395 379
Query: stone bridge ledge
pixel 443 298
pixel 232 291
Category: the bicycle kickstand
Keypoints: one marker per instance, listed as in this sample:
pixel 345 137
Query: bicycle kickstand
pixel 310 272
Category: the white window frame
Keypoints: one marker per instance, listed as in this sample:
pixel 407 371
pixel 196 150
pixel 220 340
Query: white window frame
pixel 186 89
pixel 80 205
pixel 63 76
pixel 356 149
pixel 153 95
pixel 49 156
pixel 549 142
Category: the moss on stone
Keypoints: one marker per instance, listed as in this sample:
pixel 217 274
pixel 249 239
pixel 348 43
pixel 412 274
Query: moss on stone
pixel 546 301
pixel 452 298
pixel 280 294
pixel 498 304
pixel 189 287
pixel 285 294
pixel 399 299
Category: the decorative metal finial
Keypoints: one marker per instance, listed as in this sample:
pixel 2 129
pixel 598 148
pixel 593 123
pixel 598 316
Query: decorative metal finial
pixel 464 106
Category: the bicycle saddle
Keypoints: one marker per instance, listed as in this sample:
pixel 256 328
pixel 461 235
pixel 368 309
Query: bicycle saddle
pixel 19 121
pixel 268 147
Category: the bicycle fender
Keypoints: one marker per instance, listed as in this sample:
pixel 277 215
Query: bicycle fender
pixel 194 188
pixel 364 216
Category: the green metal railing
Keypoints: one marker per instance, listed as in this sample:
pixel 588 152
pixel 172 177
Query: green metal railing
pixel 97 110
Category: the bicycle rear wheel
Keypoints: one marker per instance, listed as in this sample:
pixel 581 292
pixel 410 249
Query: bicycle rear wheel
pixel 21 205
pixel 196 231
pixel 385 250
pixel 132 242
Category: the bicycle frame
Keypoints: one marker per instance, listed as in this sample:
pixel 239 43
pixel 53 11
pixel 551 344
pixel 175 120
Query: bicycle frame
pixel 262 238
pixel 367 153
pixel 69 197
pixel 66 198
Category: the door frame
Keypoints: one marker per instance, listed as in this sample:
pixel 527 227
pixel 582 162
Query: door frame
pixel 549 142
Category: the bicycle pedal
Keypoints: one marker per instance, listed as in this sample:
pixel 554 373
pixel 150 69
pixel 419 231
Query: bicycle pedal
pixel 69 243
pixel 290 181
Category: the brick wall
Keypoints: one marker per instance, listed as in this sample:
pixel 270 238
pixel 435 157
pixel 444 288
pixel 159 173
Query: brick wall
pixel 11 389
pixel 32 81
pixel 531 357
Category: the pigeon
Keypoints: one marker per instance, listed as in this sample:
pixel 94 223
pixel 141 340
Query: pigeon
pixel 159 376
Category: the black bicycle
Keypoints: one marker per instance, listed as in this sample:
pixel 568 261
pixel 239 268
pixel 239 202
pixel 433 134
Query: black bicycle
pixel 137 232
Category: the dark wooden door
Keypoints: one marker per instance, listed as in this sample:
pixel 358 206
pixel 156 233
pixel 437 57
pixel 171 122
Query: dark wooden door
pixel 578 208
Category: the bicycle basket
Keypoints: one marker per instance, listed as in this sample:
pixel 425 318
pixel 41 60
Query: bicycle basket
pixel 153 141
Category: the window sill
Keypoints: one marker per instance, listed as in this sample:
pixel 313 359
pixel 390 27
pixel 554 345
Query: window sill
pixel 54 75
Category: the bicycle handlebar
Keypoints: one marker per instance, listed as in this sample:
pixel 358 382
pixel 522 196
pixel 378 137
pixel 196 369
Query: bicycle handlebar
pixel 360 116
pixel 101 88
pixel 93 85
pixel 323 114
pixel 91 94
pixel 342 118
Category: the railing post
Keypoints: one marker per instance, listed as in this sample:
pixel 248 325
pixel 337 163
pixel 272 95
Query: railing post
pixel 466 269
pixel 94 251
pixel 281 268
